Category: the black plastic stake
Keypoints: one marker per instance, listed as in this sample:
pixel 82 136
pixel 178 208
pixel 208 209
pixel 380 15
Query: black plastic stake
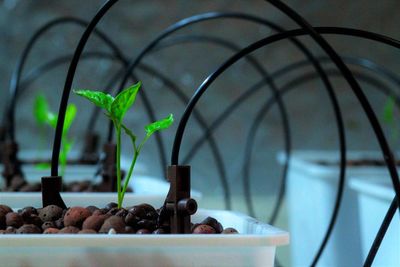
pixel 12 172
pixel 108 169
pixel 51 188
pixel 89 153
pixel 178 203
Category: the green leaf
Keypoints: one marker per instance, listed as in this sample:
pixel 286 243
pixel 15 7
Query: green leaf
pixel 43 166
pixel 69 116
pixel 388 110
pixel 66 147
pixel 123 101
pixel 159 125
pixel 100 99
pixel 40 109
pixel 51 119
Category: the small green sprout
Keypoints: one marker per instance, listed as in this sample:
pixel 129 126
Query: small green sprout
pixel 45 117
pixel 115 110
pixel 389 119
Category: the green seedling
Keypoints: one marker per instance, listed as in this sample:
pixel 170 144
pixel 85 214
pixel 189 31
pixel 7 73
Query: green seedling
pixel 389 117
pixel 115 110
pixel 44 117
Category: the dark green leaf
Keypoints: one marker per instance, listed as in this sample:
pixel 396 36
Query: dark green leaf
pixel 40 109
pixel 100 99
pixel 123 101
pixel 159 125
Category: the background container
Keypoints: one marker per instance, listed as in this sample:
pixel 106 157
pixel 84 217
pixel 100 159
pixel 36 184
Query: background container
pixel 374 197
pixel 311 194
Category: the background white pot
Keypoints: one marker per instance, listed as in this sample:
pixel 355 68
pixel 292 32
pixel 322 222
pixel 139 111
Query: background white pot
pixel 374 199
pixel 311 193
pixel 73 172
pixel 254 246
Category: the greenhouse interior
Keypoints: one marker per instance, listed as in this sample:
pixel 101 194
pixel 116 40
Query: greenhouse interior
pixel 199 133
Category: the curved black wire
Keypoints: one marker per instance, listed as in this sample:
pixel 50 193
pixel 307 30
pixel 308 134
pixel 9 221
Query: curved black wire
pixel 218 15
pixel 16 76
pixel 261 114
pixel 220 70
pixel 354 85
pixel 68 83
pixel 41 70
pixel 361 62
pixel 346 73
pixel 381 233
pixel 231 46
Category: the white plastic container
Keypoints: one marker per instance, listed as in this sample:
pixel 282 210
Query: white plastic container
pixel 147 189
pixel 72 172
pixel 374 199
pixel 254 246
pixel 311 193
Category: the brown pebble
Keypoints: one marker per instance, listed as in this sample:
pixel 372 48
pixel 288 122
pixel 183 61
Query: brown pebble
pixel 230 230
pixel 122 213
pixel 147 207
pixel 75 216
pixel 94 222
pixel 151 215
pixel 46 225
pixel 27 212
pixel 100 212
pixel 87 231
pixel 129 230
pixel 50 213
pixel 213 223
pixel 143 231
pixel 138 211
pixel 131 219
pixel 59 223
pixel 148 224
pixel 14 219
pixel 113 211
pixel 111 205
pixel 203 229
pixel 115 222
pixel 33 219
pixel 5 209
pixel 92 208
pixel 51 231
pixel 28 229
pixel 69 230
pixel 11 230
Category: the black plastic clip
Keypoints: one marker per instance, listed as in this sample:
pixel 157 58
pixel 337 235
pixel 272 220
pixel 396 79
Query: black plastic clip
pixel 178 204
pixel 51 188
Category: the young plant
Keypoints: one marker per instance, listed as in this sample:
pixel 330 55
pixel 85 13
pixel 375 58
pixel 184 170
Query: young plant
pixel 115 110
pixel 44 117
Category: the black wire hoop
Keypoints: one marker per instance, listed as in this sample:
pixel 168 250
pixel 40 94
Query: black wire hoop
pixel 306 29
